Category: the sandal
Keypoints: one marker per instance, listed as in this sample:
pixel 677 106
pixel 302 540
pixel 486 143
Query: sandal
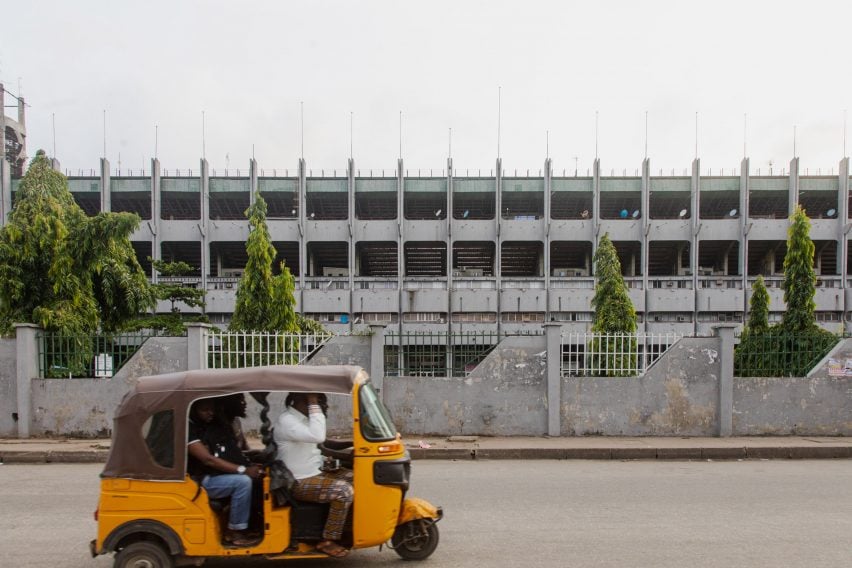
pixel 332 549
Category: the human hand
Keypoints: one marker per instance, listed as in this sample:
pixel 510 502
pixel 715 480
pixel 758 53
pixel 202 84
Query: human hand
pixel 254 471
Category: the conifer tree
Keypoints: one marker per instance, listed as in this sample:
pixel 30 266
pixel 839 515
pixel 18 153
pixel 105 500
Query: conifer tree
pixel 614 312
pixel 265 302
pixel 758 318
pixel 799 275
pixel 614 354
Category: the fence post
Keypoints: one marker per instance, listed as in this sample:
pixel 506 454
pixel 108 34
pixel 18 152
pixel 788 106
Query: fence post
pixel 553 337
pixel 377 356
pixel 726 378
pixel 26 367
pixel 196 346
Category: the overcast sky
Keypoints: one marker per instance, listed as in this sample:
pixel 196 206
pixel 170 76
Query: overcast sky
pixel 248 65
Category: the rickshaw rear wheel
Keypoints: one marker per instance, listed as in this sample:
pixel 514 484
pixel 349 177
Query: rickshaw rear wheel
pixel 143 554
pixel 415 540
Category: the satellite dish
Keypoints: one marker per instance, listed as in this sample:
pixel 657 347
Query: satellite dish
pixel 682 213
pixel 438 212
pixel 293 212
pixel 312 215
pixel 636 214
pixel 585 214
pixel 831 212
pixel 732 213
pixel 623 214
pixel 465 214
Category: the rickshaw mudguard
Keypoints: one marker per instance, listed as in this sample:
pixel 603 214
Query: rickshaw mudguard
pixel 414 508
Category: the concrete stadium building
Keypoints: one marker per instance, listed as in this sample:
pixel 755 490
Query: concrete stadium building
pixel 492 251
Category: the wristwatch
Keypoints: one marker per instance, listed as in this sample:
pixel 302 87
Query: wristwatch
pixel 241 469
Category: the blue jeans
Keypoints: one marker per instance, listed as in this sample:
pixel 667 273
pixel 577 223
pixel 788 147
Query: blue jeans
pixel 238 488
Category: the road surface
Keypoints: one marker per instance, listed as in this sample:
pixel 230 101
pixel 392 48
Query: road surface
pixel 533 513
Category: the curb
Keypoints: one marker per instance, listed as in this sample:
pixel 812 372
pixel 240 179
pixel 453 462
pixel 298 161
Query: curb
pixel 732 453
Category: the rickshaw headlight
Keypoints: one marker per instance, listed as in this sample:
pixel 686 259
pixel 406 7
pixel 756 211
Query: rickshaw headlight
pixel 391 448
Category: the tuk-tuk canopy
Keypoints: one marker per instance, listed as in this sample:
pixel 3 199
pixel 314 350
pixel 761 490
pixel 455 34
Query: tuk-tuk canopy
pixel 149 428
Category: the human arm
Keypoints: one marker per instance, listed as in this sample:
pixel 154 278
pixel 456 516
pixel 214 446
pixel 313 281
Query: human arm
pixel 291 428
pixel 200 452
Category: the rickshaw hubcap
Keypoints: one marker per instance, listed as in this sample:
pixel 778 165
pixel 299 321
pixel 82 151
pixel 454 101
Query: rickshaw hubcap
pixel 142 563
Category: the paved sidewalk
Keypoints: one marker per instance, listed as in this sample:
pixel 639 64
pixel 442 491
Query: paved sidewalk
pixel 40 450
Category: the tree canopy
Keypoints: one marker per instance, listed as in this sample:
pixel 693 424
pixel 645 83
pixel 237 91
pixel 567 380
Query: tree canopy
pixel 265 301
pixel 758 317
pixel 799 275
pixel 614 311
pixel 63 270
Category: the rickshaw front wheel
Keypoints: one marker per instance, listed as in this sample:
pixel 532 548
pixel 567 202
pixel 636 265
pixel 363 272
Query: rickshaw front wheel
pixel 143 554
pixel 415 540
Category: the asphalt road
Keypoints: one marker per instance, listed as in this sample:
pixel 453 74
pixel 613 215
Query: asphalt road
pixel 534 513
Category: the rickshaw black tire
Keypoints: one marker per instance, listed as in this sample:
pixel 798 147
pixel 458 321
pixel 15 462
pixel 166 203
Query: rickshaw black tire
pixel 418 548
pixel 151 554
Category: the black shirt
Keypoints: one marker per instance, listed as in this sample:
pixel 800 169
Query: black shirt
pixel 220 441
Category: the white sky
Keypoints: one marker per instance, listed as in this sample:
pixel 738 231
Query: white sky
pixel 249 64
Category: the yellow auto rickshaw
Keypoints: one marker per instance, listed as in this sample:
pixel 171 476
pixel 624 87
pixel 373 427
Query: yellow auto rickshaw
pixel 151 514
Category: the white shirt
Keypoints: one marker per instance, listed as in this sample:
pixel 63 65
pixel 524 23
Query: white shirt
pixel 297 437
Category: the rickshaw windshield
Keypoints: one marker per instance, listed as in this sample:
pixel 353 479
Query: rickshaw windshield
pixel 376 423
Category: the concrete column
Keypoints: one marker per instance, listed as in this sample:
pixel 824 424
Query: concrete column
pixel 553 337
pixel 793 198
pixel 106 195
pixel 695 234
pixel 645 208
pixel 449 261
pixel 596 213
pixel 843 227
pixel 726 378
pixel 26 354
pixel 400 247
pixel 5 188
pixel 548 207
pixel 350 220
pixel 252 180
pixel 377 356
pixel 196 346
pixel 205 223
pixel 154 223
pixel 303 255
pixel 744 229
pixel 498 246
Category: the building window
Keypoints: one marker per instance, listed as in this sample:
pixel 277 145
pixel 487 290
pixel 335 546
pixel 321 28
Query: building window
pixel 572 316
pixel 474 317
pixel 522 317
pixel 424 317
pixel 378 317
pixel 728 317
pixel 670 317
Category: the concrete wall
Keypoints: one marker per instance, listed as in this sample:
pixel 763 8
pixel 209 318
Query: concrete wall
pixel 504 396
pixel 820 404
pixel 8 388
pixel 84 407
pixel 679 396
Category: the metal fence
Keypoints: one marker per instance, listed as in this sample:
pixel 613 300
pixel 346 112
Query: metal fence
pixel 230 350
pixel 781 354
pixel 438 354
pixel 613 354
pixel 91 356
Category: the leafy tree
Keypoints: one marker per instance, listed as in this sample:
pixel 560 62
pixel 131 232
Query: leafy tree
pixel 615 354
pixel 265 302
pixel 758 318
pixel 63 270
pixel 799 276
pixel 175 291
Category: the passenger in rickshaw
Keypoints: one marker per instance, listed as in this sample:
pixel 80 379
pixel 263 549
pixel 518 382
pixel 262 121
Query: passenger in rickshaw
pixel 300 428
pixel 218 464
pixel 234 408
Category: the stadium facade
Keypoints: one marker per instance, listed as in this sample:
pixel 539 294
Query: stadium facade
pixel 494 251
